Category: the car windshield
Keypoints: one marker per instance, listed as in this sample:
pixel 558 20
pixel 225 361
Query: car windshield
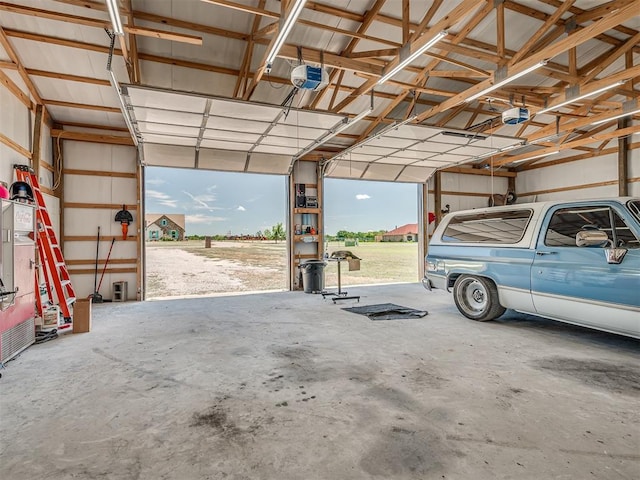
pixel 634 206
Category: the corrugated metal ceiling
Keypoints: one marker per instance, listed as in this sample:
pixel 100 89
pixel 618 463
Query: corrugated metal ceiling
pixel 64 48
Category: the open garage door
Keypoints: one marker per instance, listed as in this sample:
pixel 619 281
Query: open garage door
pixel 187 130
pixel 210 233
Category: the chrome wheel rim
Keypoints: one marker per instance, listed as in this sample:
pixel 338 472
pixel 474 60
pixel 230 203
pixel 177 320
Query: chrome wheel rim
pixel 473 296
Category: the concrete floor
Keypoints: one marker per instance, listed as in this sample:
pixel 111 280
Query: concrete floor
pixel 289 386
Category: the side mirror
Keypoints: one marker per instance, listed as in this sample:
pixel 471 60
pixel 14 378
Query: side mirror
pixel 590 238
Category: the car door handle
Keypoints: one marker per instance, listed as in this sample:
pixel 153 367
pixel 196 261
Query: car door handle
pixel 545 253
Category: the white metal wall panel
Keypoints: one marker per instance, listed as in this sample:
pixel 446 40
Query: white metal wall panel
pixel 73 115
pixel 14 118
pixel 473 183
pixel 100 157
pixel 181 78
pixel 84 222
pixel 634 169
pixel 95 189
pixel 588 171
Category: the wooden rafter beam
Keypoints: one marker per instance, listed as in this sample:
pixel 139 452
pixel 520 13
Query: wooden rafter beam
pixel 37 139
pixel 267 13
pixel 93 22
pixel 91 137
pixel 549 22
pixel 15 90
pixel 571 145
pixel 421 78
pixel 457 14
pixel 70 78
pixel 577 38
pixel 500 31
pixel 385 52
pixel 406 21
pixel 330 60
pixel 6 44
pixel 248 53
pixel 94 126
pixel 587 86
pixel 336 89
pixel 612 56
pixel 8 65
pixel 166 60
pixel 133 61
pixel 559 161
pixel 14 146
pixel 257 76
pixel 84 106
pixel 366 22
pixel 533 13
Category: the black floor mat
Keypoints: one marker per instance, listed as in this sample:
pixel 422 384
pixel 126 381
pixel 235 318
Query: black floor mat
pixel 387 311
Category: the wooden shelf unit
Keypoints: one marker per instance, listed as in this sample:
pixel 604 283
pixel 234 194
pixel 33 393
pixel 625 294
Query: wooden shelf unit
pixel 305 246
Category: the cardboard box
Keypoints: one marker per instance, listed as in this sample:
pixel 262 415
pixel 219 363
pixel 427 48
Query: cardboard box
pixel 82 316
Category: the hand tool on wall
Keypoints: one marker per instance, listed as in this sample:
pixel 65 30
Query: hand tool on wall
pixel 95 296
pixel 104 269
pixel 125 218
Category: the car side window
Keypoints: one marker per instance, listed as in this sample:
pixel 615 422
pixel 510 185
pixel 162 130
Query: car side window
pixel 502 226
pixel 567 222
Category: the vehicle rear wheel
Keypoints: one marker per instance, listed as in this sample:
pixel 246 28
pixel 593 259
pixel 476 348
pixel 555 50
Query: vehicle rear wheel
pixel 477 298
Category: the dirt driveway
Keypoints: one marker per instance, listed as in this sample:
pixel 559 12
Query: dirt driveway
pixel 176 269
pixel 187 268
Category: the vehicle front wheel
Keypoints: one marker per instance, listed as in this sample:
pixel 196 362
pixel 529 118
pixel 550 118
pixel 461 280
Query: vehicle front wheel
pixel 477 298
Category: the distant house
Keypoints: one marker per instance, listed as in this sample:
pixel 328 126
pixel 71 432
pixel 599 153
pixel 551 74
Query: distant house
pixel 405 233
pixel 160 226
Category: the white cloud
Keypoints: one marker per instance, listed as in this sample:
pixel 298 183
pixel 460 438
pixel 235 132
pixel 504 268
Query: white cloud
pixel 201 201
pixel 155 181
pixel 241 209
pixel 155 194
pixel 198 218
pixel 162 198
pixel 362 196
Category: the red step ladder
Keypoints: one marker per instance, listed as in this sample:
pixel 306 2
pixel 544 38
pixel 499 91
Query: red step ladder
pixel 56 275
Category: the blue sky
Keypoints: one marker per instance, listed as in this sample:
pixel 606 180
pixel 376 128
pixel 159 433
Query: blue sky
pixel 242 203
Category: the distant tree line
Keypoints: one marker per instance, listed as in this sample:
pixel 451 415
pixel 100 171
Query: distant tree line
pixel 342 235
pixel 277 232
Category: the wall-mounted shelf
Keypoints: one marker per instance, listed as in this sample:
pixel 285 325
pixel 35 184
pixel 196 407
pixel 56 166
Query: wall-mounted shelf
pixel 308 238
pixel 304 257
pixel 305 215
pixel 306 210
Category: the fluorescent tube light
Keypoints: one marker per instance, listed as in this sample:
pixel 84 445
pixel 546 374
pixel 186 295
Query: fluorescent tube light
pixel 114 14
pixel 628 108
pixel 333 133
pixel 537 156
pixel 506 80
pixel 487 154
pixel 579 97
pixel 511 147
pixel 403 63
pixel 283 33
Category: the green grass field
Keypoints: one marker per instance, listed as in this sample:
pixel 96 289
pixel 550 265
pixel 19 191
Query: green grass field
pixel 264 263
